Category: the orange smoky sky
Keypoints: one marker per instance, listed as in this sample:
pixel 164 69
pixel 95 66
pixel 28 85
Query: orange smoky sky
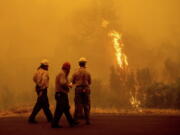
pixel 65 30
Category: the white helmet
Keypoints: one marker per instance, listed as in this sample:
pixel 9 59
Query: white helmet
pixel 82 59
pixel 45 62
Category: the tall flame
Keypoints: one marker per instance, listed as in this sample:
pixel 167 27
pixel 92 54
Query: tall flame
pixel 118 46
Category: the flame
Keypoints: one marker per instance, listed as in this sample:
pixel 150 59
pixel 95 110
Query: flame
pixel 118 46
pixel 135 103
pixel 122 62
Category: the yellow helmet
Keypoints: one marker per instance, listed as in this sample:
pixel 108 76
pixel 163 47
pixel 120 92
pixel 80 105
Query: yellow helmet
pixel 82 59
pixel 45 62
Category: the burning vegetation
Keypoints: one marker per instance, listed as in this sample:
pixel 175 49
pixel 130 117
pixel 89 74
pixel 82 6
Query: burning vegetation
pixel 137 89
pixel 138 37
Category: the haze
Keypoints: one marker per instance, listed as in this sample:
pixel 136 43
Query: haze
pixel 62 30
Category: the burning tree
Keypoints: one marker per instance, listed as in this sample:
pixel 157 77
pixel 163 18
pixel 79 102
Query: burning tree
pixel 123 80
pixel 118 74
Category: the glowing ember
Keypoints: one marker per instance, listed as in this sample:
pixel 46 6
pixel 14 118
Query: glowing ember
pixel 118 46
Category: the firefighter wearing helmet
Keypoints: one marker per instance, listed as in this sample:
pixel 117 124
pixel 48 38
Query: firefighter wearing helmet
pixel 82 81
pixel 41 79
pixel 62 102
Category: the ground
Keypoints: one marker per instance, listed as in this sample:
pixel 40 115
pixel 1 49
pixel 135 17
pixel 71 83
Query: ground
pixel 102 124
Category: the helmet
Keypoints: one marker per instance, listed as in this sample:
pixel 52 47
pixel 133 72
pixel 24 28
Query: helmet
pixel 82 60
pixel 66 66
pixel 45 62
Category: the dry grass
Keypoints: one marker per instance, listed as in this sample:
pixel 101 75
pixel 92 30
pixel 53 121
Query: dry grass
pixel 26 110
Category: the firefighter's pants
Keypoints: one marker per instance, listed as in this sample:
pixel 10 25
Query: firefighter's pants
pixel 42 103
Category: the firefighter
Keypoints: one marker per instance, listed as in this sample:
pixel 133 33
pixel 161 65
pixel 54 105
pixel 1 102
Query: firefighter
pixel 62 102
pixel 41 79
pixel 82 81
